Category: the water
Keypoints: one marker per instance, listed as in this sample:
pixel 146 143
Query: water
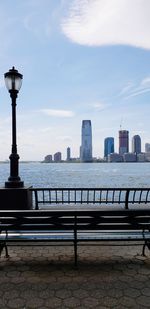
pixel 81 175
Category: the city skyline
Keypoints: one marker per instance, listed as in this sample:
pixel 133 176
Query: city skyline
pixel 80 59
pixel 126 145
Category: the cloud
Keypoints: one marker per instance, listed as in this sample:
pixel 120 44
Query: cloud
pixel 57 113
pixel 137 92
pixel 105 22
pixel 126 88
pixel 99 106
pixel 146 82
pixel 133 90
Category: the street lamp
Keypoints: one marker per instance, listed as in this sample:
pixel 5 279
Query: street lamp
pixel 13 81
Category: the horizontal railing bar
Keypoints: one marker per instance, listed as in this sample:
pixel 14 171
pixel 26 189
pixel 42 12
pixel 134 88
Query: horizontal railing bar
pixel 90 189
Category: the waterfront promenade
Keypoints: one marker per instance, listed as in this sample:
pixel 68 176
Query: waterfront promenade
pixel 44 277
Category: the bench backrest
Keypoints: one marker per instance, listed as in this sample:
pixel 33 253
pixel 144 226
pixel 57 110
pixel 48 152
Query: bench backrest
pixel 75 220
pixel 92 196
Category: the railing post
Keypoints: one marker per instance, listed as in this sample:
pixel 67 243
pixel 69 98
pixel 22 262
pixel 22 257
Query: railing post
pixel 36 199
pixel 127 198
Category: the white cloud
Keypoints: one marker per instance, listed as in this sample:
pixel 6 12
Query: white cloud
pixel 146 82
pixel 99 106
pixel 109 22
pixel 137 92
pixel 133 89
pixel 57 113
pixel 126 88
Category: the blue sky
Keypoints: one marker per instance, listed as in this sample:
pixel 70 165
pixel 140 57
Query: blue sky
pixel 80 59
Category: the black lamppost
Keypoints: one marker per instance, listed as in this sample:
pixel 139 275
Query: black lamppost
pixel 13 81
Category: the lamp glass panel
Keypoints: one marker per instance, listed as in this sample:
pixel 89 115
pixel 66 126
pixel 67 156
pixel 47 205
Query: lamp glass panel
pixel 8 83
pixel 13 82
pixel 18 83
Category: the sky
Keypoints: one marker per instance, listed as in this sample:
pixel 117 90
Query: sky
pixel 80 59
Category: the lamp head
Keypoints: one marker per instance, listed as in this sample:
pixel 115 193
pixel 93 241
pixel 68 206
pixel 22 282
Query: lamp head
pixel 13 80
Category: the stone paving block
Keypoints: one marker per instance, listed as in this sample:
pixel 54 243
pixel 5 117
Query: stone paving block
pixel 128 302
pixel 116 293
pixel 110 301
pixel 80 293
pixel 63 293
pixel 145 291
pixel 136 284
pixel 46 294
pixel 11 294
pixel 16 303
pixel 53 302
pixel 71 302
pixel 131 292
pixel 34 302
pixel 90 302
pixel 143 301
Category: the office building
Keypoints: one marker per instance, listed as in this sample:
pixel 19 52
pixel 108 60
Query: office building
pixel 68 153
pixel 147 156
pixel 115 157
pixel 57 157
pixel 123 141
pixel 129 157
pixel 48 159
pixel 141 157
pixel 147 147
pixel 136 144
pixel 108 146
pixel 86 141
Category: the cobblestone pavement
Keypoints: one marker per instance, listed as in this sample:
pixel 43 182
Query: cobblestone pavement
pixel 44 277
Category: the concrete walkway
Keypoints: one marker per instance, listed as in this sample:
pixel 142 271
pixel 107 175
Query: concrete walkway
pixel 44 277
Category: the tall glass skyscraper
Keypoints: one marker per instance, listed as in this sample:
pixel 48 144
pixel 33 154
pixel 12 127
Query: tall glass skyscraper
pixel 136 144
pixel 86 141
pixel 68 153
pixel 108 146
pixel 123 141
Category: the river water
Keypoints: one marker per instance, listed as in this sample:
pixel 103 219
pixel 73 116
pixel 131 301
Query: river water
pixel 81 174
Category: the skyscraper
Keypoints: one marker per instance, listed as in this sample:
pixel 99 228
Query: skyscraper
pixel 57 157
pixel 68 153
pixel 108 146
pixel 86 141
pixel 136 144
pixel 123 141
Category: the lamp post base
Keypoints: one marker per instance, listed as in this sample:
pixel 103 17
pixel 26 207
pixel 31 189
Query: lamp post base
pixel 14 184
pixel 15 198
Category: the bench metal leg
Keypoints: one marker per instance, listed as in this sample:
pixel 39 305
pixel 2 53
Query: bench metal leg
pixel 146 244
pixel 75 248
pixel 143 250
pixel 2 246
pixel 6 251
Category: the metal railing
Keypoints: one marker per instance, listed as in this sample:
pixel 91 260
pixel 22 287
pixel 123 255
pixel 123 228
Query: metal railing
pixel 89 196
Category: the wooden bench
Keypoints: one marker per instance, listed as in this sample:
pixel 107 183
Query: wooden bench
pixel 75 225
pixel 119 197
